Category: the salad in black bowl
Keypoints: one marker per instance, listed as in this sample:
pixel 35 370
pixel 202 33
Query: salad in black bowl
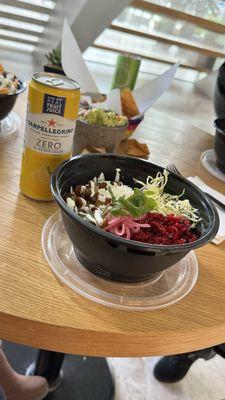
pixel 10 88
pixel 128 218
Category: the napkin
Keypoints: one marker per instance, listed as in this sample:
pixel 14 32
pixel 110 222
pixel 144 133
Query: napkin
pixel 220 237
pixel 73 63
pixel 147 95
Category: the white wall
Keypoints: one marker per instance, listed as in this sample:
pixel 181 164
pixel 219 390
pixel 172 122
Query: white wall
pixel 95 16
pixel 52 34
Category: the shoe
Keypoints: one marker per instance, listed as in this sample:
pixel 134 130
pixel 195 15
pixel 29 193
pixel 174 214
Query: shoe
pixel 171 369
pixel 28 388
pixel 220 349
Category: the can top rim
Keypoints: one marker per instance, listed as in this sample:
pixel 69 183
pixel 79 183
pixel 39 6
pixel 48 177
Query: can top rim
pixel 130 55
pixel 74 84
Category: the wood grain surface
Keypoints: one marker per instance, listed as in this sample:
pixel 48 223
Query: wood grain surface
pixel 36 309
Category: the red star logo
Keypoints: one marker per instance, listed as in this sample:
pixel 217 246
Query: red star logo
pixel 51 122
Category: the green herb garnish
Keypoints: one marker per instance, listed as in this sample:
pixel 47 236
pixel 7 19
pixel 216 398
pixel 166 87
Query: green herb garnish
pixel 136 205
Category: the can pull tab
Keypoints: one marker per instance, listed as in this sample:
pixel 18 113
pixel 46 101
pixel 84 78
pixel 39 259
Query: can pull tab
pixel 54 81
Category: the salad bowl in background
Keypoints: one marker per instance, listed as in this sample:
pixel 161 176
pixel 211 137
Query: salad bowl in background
pixel 90 136
pixel 94 133
pixel 113 257
pixel 101 97
pixel 7 101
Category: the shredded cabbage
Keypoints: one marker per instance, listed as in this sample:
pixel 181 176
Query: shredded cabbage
pixel 165 202
pixel 156 184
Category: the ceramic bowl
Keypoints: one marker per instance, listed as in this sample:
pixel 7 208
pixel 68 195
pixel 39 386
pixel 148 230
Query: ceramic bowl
pixel 90 136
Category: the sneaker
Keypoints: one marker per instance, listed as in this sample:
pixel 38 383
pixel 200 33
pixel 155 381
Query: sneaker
pixel 172 369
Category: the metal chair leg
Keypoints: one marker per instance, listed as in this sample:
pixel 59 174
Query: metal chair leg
pixel 48 364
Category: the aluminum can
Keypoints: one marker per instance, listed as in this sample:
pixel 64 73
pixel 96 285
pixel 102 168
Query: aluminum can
pixel 53 102
pixel 126 71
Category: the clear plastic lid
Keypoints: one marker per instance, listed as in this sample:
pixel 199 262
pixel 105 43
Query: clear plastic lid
pixel 208 160
pixel 164 289
pixel 9 124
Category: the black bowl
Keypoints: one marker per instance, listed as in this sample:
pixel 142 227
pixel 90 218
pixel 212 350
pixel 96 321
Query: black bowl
pixel 219 143
pixel 7 101
pixel 221 76
pixel 219 100
pixel 108 255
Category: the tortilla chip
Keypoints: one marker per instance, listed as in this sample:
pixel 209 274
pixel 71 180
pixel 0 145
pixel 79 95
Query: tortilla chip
pixel 129 107
pixel 1 69
pixel 4 91
pixel 131 147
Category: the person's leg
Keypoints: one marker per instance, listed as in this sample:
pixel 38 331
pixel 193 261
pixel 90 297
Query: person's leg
pixel 20 387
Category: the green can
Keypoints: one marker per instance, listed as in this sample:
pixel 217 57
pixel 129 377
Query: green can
pixel 126 71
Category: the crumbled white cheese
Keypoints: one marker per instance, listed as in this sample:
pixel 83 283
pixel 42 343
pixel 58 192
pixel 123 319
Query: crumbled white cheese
pixel 91 219
pixel 103 194
pixel 83 201
pixel 85 209
pixel 117 177
pixel 118 191
pixel 70 203
pixel 101 177
pixel 93 189
pixel 98 217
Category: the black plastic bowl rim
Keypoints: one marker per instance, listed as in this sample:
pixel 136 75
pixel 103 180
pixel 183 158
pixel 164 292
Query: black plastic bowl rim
pixel 204 239
pixel 21 88
pixel 219 124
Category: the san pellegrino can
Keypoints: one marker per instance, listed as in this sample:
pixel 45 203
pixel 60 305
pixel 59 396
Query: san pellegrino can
pixel 52 109
pixel 126 71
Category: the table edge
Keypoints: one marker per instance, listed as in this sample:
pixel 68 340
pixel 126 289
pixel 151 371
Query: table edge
pixel 105 344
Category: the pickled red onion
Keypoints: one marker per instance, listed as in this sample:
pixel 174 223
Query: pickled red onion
pixel 124 226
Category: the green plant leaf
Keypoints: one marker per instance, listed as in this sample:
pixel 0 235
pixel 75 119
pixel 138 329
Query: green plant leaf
pixel 54 57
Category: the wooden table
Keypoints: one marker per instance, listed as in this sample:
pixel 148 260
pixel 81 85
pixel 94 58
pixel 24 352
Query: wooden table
pixel 37 310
